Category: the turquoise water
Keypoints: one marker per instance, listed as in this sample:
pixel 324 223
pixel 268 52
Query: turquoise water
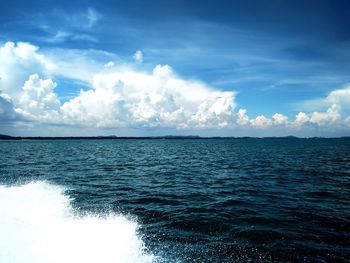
pixel 201 200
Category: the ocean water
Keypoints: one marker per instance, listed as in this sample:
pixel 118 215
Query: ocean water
pixel 202 200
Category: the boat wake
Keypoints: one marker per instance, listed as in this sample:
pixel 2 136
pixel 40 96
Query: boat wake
pixel 38 224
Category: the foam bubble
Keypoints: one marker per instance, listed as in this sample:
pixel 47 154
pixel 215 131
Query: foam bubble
pixel 37 224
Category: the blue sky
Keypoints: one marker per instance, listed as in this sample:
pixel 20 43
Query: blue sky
pixel 276 56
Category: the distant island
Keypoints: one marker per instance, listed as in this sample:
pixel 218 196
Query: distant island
pixel 166 137
pixel 8 137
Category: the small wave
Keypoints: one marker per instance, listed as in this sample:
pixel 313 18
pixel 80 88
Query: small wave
pixel 38 224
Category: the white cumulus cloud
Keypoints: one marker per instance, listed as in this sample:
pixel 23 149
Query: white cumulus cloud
pixel 7 112
pixel 17 62
pixel 261 121
pixel 336 115
pixel 160 99
pixel 242 117
pixel 279 119
pixel 38 100
pixel 331 115
pixel 341 97
pixel 301 118
pixel 116 95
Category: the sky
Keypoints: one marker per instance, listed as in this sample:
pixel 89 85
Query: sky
pixel 143 68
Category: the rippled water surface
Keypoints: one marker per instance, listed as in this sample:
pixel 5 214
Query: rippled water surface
pixel 202 200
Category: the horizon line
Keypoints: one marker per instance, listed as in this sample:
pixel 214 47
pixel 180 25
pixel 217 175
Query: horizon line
pixel 10 137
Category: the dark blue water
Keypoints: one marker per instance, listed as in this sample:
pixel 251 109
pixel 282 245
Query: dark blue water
pixel 213 200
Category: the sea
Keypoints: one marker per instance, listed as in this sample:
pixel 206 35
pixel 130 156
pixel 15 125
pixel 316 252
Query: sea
pixel 175 200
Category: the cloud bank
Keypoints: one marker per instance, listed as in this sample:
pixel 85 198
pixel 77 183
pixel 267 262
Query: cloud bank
pixel 120 96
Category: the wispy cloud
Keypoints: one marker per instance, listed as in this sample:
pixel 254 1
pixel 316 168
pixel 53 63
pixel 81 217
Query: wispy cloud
pixel 93 16
pixel 80 19
pixel 59 26
pixel 138 56
pixel 63 36
pixel 315 104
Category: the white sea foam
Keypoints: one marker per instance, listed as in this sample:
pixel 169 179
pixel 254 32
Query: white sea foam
pixel 37 224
